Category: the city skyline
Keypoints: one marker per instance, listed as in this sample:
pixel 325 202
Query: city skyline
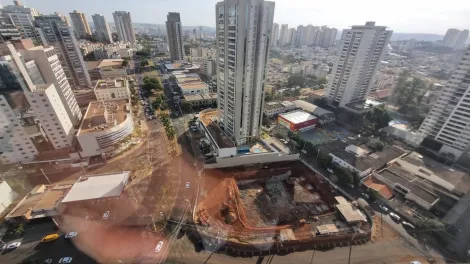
pixel 414 17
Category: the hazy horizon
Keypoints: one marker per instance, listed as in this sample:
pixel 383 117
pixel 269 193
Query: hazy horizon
pixel 418 16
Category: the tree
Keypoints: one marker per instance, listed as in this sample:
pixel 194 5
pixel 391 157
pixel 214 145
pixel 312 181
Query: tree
pixel 376 144
pixel 296 80
pixel 186 106
pixel 344 175
pixel 125 63
pixel 324 159
pixel 376 119
pixel 144 63
pixel 19 230
pixel 170 133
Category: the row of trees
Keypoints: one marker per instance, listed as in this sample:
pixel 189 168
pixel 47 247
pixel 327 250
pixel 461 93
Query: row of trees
pixel 306 81
pixel 169 129
pixel 409 96
pixel 160 102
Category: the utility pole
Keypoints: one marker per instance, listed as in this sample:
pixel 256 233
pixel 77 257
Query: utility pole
pixel 45 176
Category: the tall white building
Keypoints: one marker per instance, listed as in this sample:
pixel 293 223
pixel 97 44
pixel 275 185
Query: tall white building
pixel 174 36
pixel 360 52
pixel 243 44
pixel 275 36
pixel 55 32
pixel 31 108
pixel 450 39
pixel 447 126
pixel 123 23
pixel 21 17
pixel 80 24
pixel 462 39
pixel 48 64
pixel 283 34
pixel 102 31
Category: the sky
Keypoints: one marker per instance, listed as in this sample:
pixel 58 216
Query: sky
pixel 404 16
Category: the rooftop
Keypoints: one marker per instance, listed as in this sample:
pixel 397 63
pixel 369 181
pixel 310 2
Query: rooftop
pixel 42 201
pixel 298 116
pixel 350 213
pixel 190 81
pixel 180 66
pixel 97 187
pixel 360 163
pixel 112 63
pixel 435 172
pixel 199 97
pixel 111 83
pixel 208 119
pixel 311 108
pixel 398 177
pixel 383 189
pixel 103 114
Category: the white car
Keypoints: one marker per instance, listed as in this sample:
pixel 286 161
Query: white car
pixel 395 216
pixel 106 215
pixel 14 245
pixel 383 207
pixel 71 234
pixel 304 151
pixel 187 185
pixel 366 195
pixel 48 261
pixel 65 260
pixel 409 225
pixel 330 170
pixel 159 246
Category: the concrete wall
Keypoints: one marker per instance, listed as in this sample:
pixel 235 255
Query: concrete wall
pixel 7 196
pixel 252 159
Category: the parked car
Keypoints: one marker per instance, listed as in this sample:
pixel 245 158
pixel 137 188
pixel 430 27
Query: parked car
pixel 384 208
pixel 48 261
pixel 395 216
pixel 408 224
pixel 13 245
pixel 366 195
pixel 187 185
pixel 71 234
pixel 159 246
pixel 304 151
pixel 49 238
pixel 106 215
pixel 330 170
pixel 65 260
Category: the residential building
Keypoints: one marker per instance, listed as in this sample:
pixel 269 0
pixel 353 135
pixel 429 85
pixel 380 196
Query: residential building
pixel 275 35
pixel 175 39
pixel 123 23
pixel 106 69
pixel 201 100
pixel 462 40
pixel 446 127
pixel 52 115
pixel 361 50
pixel 9 32
pixel 21 17
pixel 275 108
pixel 208 67
pixel 80 25
pixel 102 31
pixel 32 107
pixel 55 32
pixel 455 38
pixel 190 83
pixel 283 35
pixel 112 89
pixel 64 18
pixel 105 125
pixel 291 36
pixel 49 65
pixel 240 80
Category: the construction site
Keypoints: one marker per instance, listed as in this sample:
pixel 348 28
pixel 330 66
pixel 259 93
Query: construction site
pixel 284 204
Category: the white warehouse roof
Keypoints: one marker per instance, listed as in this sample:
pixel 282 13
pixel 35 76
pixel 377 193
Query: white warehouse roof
pixel 97 187
pixel 297 117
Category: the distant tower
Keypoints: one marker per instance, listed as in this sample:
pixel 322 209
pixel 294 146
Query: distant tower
pixel 102 31
pixel 362 49
pixel 175 39
pixel 123 22
pixel 80 24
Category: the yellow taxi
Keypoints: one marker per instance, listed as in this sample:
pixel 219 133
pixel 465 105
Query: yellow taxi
pixel 50 238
